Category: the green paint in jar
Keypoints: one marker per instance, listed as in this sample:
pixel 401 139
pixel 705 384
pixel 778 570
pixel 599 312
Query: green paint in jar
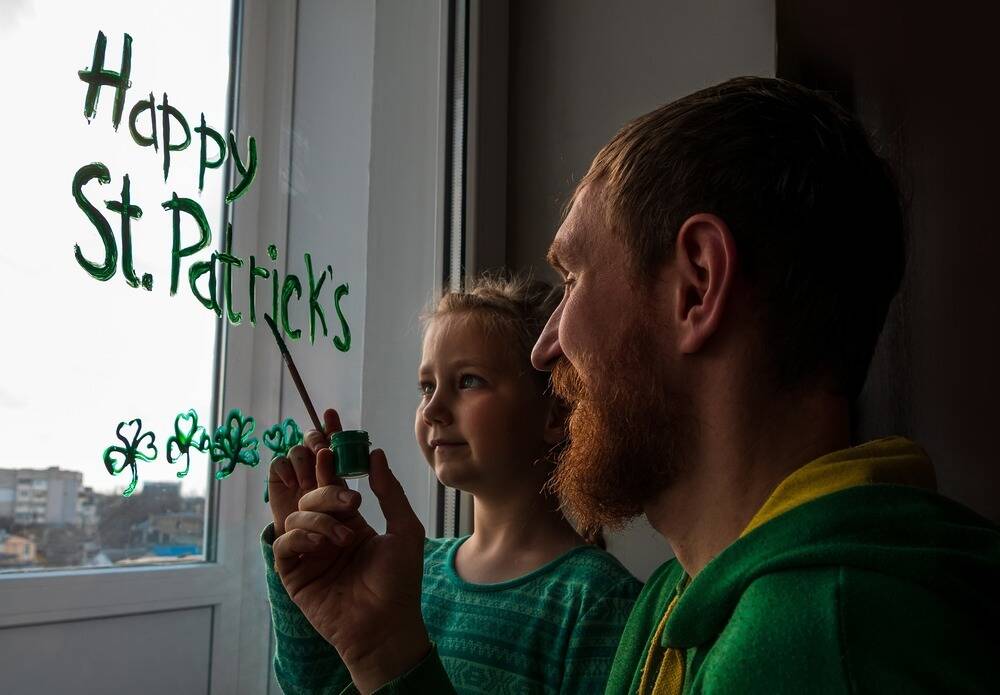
pixel 350 450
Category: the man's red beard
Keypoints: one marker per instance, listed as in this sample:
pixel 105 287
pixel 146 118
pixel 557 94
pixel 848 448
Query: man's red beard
pixel 625 436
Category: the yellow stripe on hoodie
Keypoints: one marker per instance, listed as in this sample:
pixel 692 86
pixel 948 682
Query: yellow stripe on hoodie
pixel 669 672
pixel 892 460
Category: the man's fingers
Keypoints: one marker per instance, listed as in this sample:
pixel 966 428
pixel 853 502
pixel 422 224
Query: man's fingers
pixel 316 440
pixel 399 515
pixel 295 542
pixel 331 499
pixel 281 469
pixel 326 469
pixel 323 524
pixel 331 422
pixel 304 464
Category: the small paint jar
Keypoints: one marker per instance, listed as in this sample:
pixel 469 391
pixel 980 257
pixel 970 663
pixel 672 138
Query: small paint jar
pixel 350 450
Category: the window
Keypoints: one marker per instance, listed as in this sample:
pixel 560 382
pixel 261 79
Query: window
pixel 91 354
pixel 342 120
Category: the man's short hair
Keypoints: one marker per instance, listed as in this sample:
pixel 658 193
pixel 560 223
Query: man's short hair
pixel 815 214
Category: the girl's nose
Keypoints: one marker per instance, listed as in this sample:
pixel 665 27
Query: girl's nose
pixel 437 412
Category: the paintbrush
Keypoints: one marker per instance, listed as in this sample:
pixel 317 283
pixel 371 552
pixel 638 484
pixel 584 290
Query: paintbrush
pixel 287 357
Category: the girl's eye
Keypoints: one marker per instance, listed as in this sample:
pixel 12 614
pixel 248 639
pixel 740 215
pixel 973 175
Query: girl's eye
pixel 568 281
pixel 470 381
pixel 426 388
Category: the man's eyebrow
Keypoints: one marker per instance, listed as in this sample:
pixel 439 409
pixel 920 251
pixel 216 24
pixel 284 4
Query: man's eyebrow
pixel 553 256
pixel 559 251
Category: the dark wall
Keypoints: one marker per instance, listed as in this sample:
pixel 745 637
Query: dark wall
pixel 923 78
pixel 580 69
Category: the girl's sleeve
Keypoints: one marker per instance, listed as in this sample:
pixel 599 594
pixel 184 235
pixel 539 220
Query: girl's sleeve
pixel 304 662
pixel 595 636
pixel 428 676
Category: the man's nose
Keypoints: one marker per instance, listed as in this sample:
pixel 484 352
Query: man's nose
pixel 547 350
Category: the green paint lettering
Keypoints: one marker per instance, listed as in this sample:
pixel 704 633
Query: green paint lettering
pixel 314 307
pixel 272 252
pixel 84 175
pixel 168 147
pixel 96 77
pixel 191 207
pixel 128 212
pixel 133 116
pixel 290 285
pixel 342 344
pixel 204 163
pixel 229 262
pixel 198 269
pixel 246 171
pixel 256 271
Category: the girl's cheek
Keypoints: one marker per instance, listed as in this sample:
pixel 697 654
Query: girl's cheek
pixel 479 407
pixel 493 416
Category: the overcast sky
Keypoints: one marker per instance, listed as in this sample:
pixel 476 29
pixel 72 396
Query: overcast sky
pixel 79 355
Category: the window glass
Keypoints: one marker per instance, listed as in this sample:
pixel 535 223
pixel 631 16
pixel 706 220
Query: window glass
pixel 80 355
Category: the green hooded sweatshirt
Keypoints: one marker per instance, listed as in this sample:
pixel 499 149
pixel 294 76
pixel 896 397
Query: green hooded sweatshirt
pixel 854 577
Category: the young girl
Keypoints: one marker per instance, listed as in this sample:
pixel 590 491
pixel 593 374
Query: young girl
pixel 524 604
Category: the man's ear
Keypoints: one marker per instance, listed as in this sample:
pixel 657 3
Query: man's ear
pixel 704 268
pixel 556 421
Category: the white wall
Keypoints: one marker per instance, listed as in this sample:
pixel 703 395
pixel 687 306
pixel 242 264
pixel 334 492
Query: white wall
pixel 579 69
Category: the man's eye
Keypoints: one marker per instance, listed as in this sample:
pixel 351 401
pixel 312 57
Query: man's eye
pixel 426 388
pixel 568 281
pixel 470 381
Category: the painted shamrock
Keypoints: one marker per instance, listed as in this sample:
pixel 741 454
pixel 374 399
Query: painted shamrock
pixel 279 439
pixel 182 441
pixel 283 436
pixel 129 453
pixel 233 444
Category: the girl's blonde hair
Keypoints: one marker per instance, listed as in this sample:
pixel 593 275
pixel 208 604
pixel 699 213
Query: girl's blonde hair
pixel 514 308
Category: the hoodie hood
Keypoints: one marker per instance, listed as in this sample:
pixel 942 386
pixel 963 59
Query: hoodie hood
pixel 870 507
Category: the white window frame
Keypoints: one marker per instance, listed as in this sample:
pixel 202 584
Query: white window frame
pixel 54 596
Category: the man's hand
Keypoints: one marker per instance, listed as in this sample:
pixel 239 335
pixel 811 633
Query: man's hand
pixel 293 476
pixel 359 589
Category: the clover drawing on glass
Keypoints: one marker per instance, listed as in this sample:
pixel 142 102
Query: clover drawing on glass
pixel 233 444
pixel 130 453
pixel 279 438
pixel 185 438
pixel 283 436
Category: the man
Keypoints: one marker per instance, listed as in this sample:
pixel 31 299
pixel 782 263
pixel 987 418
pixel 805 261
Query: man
pixel 729 260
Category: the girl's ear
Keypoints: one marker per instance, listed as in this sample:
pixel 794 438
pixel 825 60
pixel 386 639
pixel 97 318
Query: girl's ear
pixel 556 420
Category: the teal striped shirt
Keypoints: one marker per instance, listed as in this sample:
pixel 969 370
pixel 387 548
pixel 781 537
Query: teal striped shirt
pixel 554 630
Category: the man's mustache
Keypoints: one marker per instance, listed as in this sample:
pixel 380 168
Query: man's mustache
pixel 567 383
